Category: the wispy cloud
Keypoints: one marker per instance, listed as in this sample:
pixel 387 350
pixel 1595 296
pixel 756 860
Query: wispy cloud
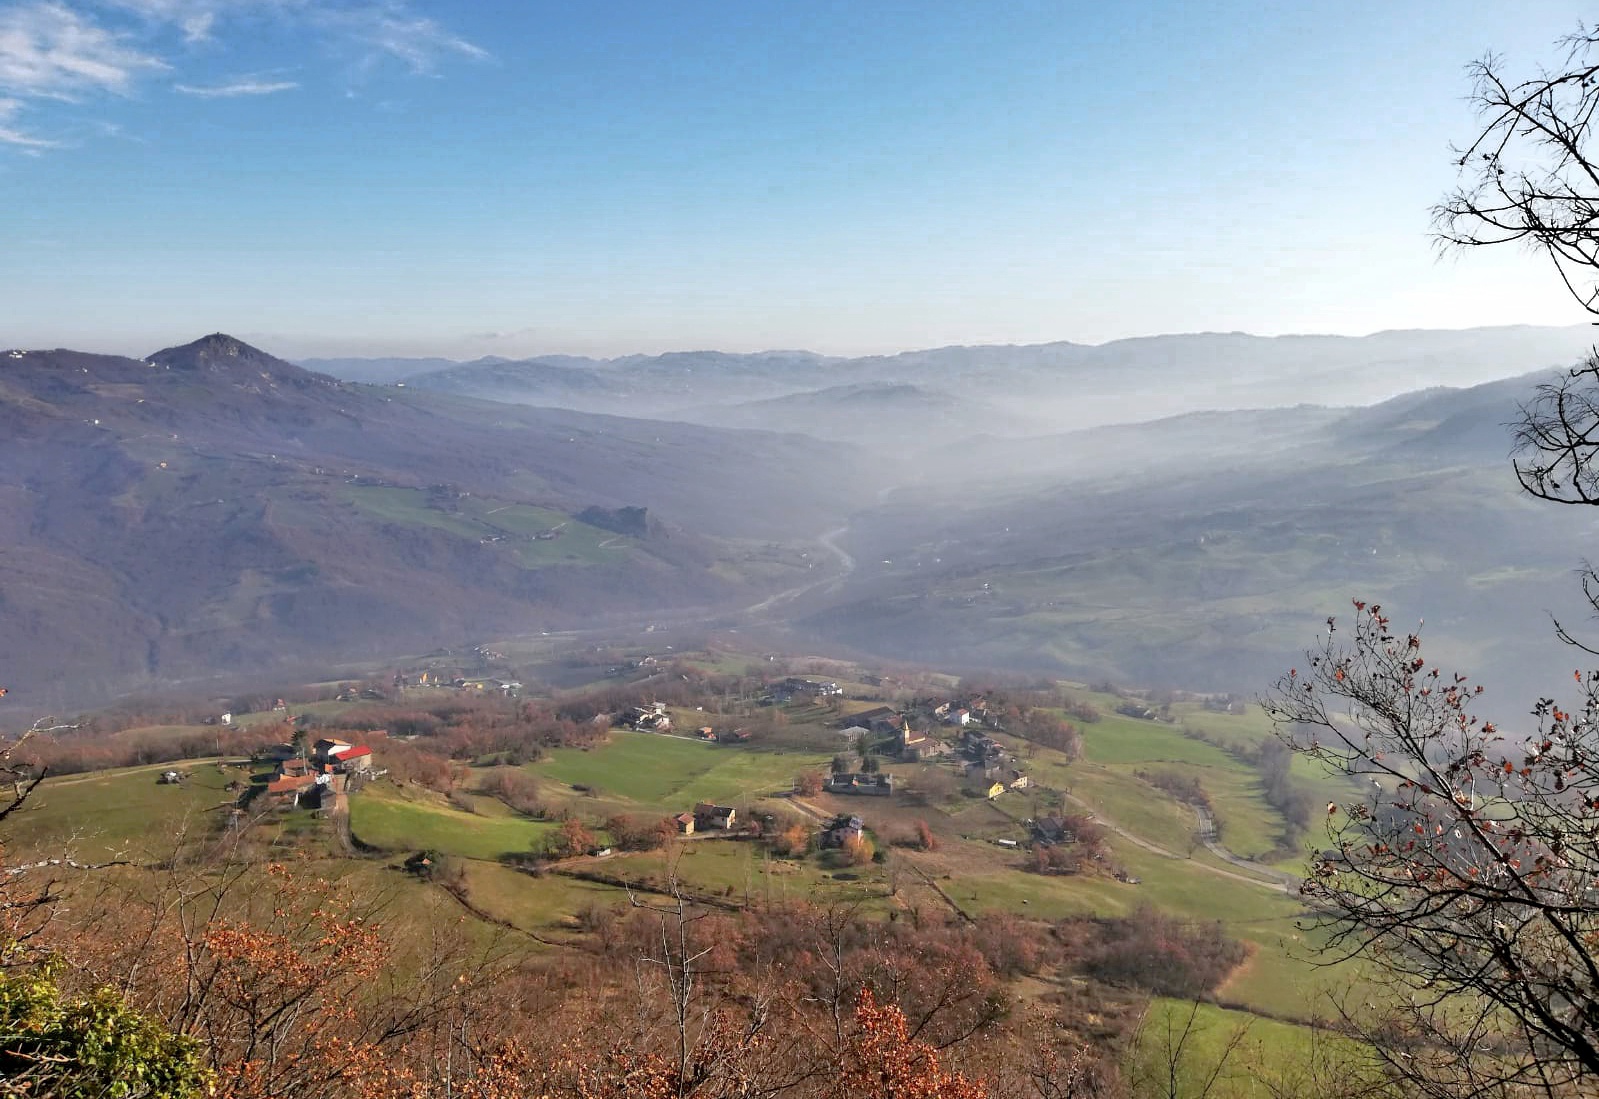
pixel 383 28
pixel 393 31
pixel 234 88
pixel 10 135
pixel 48 50
pixel 194 18
pixel 69 51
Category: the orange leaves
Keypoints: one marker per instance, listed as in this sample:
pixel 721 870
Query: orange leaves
pixel 887 1063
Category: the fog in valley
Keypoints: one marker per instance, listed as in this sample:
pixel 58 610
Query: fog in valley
pixel 1175 511
pixel 1178 510
pixel 801 551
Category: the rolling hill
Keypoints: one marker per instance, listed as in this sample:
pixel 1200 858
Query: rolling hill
pixel 1207 550
pixel 213 509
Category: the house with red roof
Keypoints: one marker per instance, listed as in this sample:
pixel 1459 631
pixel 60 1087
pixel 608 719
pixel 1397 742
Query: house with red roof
pixel 291 788
pixel 353 759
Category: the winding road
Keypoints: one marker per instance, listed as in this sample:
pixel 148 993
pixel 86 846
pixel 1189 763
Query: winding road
pixel 1279 883
pixel 829 542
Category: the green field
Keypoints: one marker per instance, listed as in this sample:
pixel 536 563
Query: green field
pixel 513 525
pixel 390 819
pixel 669 775
pixel 741 871
pixel 1249 827
pixel 121 814
pixel 537 905
pixel 113 813
pixel 1249 1057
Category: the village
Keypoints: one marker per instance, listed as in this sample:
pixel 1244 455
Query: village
pixel 882 766
pixel 725 781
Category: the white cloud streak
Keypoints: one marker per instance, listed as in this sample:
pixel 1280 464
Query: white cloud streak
pixel 235 88
pixel 47 50
pixel 10 135
pixel 421 44
pixel 383 28
pixel 195 18
pixel 67 51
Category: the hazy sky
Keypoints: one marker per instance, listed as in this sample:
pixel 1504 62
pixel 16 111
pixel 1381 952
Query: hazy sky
pixel 511 176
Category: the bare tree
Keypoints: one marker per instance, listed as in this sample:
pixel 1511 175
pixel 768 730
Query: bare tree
pixel 1469 871
pixel 1172 1067
pixel 1528 177
pixel 1470 868
pixel 25 901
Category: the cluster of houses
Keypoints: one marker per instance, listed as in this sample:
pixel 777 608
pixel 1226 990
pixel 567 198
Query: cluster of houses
pixel 651 719
pixel 706 818
pixel 799 687
pixel 654 718
pixel 321 780
pixel 986 761
pixel 974 752
pixel 484 684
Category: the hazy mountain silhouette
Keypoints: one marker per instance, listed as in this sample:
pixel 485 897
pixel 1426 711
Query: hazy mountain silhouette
pixel 1204 550
pixel 1039 388
pixel 213 508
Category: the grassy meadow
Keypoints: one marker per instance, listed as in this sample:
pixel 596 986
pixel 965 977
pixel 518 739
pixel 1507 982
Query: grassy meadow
pixel 669 774
pixel 122 814
pixel 397 820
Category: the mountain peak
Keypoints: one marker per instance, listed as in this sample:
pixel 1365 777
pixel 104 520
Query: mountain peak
pixel 223 355
pixel 217 349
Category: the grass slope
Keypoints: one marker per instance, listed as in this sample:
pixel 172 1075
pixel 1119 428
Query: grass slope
pixel 393 819
pixel 669 774
pixel 126 813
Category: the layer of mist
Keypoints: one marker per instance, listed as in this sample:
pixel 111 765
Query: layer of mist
pixel 1179 510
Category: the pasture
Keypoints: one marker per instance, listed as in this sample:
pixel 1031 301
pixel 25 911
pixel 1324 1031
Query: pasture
pixel 669 774
pixel 398 820
pixel 1249 1057
pixel 121 814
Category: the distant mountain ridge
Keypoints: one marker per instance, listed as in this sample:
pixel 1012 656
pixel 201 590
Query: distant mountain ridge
pixel 1206 550
pixel 1030 389
pixel 213 508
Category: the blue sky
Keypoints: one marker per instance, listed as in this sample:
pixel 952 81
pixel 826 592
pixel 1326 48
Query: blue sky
pixel 497 177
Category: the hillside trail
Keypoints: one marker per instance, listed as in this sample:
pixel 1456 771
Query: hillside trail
pixel 171 765
pixel 1276 886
